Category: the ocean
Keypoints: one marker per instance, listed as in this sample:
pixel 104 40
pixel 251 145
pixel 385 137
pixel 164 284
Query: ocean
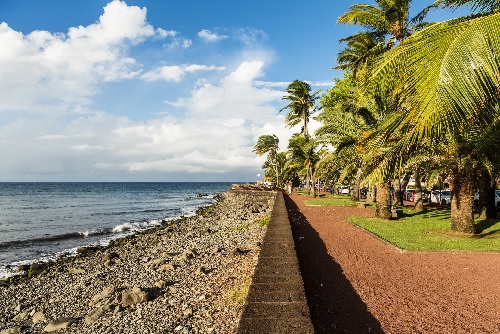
pixel 45 221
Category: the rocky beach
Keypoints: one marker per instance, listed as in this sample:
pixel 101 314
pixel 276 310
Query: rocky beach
pixel 188 276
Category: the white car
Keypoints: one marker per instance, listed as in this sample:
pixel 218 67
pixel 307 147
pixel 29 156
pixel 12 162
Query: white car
pixel 497 199
pixel 442 197
pixel 344 190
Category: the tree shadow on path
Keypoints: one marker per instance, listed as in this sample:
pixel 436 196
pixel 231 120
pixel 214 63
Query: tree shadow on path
pixel 334 304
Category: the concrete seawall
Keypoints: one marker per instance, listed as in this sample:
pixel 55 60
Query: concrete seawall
pixel 276 302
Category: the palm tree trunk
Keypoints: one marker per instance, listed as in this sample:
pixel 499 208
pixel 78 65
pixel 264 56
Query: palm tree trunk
pixel 402 186
pixel 419 203
pixel 397 191
pixel 383 201
pixel 462 188
pixel 487 207
pixel 357 182
pixel 277 175
pixel 311 173
pixel 308 181
pixel 306 119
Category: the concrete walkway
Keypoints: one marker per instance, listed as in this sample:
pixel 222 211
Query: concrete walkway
pixel 276 302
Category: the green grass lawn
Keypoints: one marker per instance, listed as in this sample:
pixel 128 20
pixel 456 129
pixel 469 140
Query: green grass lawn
pixel 430 230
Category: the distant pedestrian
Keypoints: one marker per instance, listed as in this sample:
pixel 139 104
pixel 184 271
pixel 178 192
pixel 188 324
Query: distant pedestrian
pixel 289 188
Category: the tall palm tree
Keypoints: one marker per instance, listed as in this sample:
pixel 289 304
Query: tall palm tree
pixel 302 104
pixel 389 18
pixel 386 25
pixel 344 122
pixel 304 152
pixel 449 75
pixel 267 144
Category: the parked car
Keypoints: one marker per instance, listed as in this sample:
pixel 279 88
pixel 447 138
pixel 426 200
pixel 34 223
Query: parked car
pixel 442 197
pixel 344 190
pixel 497 199
pixel 409 195
pixel 426 194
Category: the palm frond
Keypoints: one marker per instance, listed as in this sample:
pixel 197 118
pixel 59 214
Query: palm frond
pixel 475 5
pixel 367 16
pixel 449 73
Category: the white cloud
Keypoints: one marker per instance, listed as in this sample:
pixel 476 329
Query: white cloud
pixel 216 135
pixel 178 42
pixel 210 130
pixel 186 43
pixel 250 36
pixel 176 73
pixel 162 33
pixel 167 73
pixel 174 40
pixel 60 70
pixel 196 68
pixel 209 36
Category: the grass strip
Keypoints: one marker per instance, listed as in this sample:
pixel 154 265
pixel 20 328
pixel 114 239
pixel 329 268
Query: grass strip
pixel 430 230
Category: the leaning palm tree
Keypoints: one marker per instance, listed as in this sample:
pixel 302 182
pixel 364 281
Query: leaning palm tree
pixel 387 18
pixel 360 49
pixel 302 104
pixel 267 144
pixel 449 75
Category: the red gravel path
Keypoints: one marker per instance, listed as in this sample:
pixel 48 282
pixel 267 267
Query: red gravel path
pixel 356 283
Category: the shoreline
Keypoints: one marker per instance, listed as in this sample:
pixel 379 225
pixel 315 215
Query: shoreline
pixel 13 271
pixel 190 275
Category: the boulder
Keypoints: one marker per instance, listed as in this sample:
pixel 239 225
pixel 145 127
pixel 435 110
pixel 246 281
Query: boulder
pixel 110 256
pixel 134 296
pixel 96 314
pixel 35 269
pixel 104 294
pixel 38 317
pixel 21 316
pixel 161 284
pixel 59 324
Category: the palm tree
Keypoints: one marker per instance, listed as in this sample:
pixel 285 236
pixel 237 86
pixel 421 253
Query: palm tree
pixel 304 152
pixel 389 18
pixel 449 76
pixel 302 104
pixel 343 124
pixel 386 24
pixel 267 144
pixel 360 49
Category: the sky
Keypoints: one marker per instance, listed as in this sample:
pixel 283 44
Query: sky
pixel 156 90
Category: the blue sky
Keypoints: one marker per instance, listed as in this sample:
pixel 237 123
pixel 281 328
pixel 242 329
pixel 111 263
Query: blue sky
pixel 155 90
